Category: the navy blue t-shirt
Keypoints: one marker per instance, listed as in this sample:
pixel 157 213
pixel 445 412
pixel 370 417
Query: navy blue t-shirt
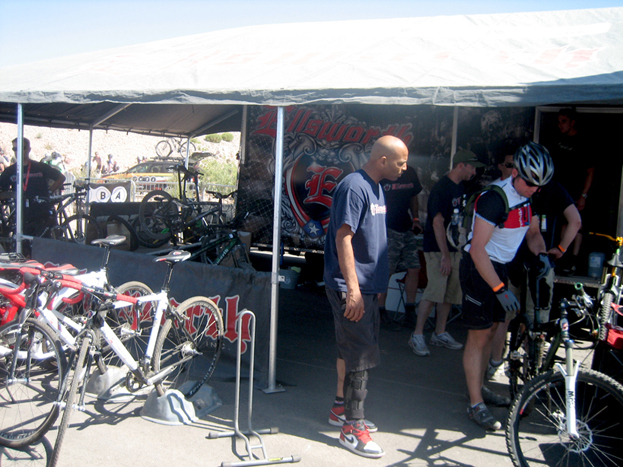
pixel 398 196
pixel 359 202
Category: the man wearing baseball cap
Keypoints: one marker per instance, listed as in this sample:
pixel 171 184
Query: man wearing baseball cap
pixel 442 260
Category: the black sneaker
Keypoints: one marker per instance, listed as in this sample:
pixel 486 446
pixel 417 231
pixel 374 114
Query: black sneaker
pixel 481 415
pixel 493 398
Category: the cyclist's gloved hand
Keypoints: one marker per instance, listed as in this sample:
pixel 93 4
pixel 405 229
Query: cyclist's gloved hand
pixel 507 299
pixel 542 265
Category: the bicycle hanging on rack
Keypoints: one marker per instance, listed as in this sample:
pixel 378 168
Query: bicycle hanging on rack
pixel 165 147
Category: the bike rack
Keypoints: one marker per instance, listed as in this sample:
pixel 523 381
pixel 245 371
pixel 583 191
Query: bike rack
pixel 253 459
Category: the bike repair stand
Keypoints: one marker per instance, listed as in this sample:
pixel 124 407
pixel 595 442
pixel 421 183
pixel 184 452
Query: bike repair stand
pixel 253 459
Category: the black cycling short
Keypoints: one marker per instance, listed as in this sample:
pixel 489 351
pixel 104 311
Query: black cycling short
pixel 481 307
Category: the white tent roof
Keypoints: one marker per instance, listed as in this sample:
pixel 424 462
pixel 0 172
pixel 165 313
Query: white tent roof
pixel 519 59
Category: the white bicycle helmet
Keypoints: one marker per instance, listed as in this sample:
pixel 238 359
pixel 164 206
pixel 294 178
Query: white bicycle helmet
pixel 534 164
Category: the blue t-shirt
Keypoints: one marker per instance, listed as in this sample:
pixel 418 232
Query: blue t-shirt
pixel 359 202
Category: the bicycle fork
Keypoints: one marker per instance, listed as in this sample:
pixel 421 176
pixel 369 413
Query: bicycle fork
pixel 570 373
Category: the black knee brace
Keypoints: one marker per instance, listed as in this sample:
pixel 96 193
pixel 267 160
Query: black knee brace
pixel 355 394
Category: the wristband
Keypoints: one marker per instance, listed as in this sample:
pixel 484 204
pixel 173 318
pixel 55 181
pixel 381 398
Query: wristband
pixel 498 287
pixel 562 250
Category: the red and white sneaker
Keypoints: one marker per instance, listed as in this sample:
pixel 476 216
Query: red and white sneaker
pixel 337 418
pixel 356 437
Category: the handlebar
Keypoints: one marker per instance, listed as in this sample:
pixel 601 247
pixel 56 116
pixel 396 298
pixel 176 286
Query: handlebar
pixel 617 240
pixel 221 196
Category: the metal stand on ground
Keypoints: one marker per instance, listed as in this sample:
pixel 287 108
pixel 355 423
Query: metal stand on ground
pixel 253 459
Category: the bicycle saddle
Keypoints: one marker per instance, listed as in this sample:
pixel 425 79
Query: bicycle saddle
pixel 111 240
pixel 174 257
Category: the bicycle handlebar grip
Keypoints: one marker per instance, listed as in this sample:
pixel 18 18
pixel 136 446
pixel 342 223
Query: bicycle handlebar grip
pixel 15 291
pixel 126 298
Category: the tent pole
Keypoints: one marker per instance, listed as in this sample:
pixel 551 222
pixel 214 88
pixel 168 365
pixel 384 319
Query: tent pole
pixel 455 132
pixel 19 192
pixel 274 290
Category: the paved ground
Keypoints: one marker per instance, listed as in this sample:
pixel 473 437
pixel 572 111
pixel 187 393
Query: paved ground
pixel 418 403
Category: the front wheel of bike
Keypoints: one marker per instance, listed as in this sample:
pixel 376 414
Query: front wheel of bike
pixel 156 213
pixel 78 376
pixel 536 432
pixel 196 331
pixel 28 394
pixel 80 229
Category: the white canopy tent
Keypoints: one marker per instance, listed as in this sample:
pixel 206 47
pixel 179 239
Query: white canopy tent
pixel 195 84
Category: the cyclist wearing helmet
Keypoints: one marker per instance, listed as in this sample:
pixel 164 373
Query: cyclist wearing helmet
pixel 493 243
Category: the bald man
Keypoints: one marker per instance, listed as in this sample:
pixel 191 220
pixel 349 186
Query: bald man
pixel 356 271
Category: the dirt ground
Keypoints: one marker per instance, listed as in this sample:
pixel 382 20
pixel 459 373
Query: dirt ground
pixel 74 145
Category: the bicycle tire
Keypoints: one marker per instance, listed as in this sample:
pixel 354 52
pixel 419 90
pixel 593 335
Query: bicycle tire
pixel 182 151
pixel 200 331
pixel 157 212
pixel 517 359
pixel 69 400
pixel 143 239
pixel 133 240
pixel 604 313
pixel 163 148
pixel 131 324
pixel 81 229
pixel 33 455
pixel 27 411
pixel 535 431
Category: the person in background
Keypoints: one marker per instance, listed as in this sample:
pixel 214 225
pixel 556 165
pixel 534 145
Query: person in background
pixel 96 165
pixel 355 272
pixel 111 166
pixel 575 169
pixel 442 260
pixel 402 222
pixel 39 180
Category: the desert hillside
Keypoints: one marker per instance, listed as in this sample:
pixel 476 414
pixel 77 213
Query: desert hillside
pixel 74 145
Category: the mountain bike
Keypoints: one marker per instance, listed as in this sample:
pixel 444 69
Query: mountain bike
pixel 567 416
pixel 164 217
pixel 533 344
pixel 165 147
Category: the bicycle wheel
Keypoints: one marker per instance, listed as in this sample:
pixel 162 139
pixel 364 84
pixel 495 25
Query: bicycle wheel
pixel 157 212
pixel 81 229
pixel 69 400
pixel 28 396
pixel 33 455
pixel 182 151
pixel 131 324
pixel 163 148
pixel 199 333
pixel 604 314
pixel 143 239
pixel 518 358
pixel 536 433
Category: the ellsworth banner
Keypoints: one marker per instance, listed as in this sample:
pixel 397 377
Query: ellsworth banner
pixel 324 143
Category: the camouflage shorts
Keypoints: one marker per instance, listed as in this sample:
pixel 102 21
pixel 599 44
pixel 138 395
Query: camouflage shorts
pixel 402 251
